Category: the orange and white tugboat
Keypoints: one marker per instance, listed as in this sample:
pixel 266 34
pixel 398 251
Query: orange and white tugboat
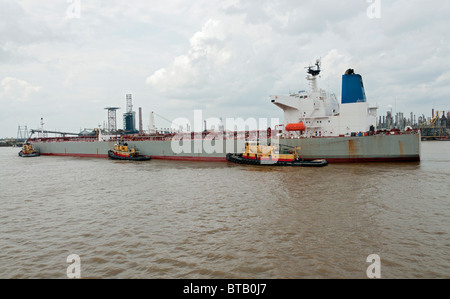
pixel 122 151
pixel 28 151
pixel 256 154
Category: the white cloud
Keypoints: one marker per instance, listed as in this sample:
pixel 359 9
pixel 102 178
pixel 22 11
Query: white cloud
pixel 16 90
pixel 226 57
pixel 202 65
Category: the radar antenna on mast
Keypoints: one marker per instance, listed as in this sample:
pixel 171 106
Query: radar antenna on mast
pixel 314 72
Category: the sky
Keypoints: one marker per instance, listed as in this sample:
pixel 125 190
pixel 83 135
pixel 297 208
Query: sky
pixel 66 60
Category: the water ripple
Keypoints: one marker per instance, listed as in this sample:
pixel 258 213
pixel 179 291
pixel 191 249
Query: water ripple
pixel 167 219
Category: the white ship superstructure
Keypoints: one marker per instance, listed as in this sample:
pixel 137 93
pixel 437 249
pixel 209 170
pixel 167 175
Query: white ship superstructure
pixel 321 114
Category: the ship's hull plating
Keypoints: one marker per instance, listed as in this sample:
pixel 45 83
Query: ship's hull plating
pixel 376 148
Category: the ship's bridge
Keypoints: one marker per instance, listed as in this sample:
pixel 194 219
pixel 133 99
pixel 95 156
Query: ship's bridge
pixel 322 114
pixel 306 105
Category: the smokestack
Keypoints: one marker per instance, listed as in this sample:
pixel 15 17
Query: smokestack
pixel 140 121
pixel 352 88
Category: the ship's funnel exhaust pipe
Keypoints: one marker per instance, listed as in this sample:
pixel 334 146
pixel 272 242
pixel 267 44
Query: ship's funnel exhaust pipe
pixel 352 88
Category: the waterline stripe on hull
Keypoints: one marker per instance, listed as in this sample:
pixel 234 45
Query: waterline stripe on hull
pixel 222 159
pixel 76 155
pixel 173 158
pixel 364 160
pixel 187 158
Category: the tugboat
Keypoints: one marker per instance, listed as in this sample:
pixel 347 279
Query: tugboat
pixel 28 151
pixel 256 154
pixel 122 151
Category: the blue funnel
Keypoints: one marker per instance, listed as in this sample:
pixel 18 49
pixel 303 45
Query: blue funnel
pixel 352 88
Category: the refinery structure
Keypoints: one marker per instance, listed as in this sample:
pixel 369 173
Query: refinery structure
pixel 436 127
pixel 132 124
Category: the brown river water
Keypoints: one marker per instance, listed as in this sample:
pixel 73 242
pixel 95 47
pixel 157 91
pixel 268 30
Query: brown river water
pixel 167 219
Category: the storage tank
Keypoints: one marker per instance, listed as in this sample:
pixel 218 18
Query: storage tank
pixel 129 118
pixel 129 123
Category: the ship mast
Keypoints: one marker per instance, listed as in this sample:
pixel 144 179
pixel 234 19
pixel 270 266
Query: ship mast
pixel 313 72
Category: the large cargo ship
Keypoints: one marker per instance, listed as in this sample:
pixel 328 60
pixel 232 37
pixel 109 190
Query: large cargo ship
pixel 314 121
